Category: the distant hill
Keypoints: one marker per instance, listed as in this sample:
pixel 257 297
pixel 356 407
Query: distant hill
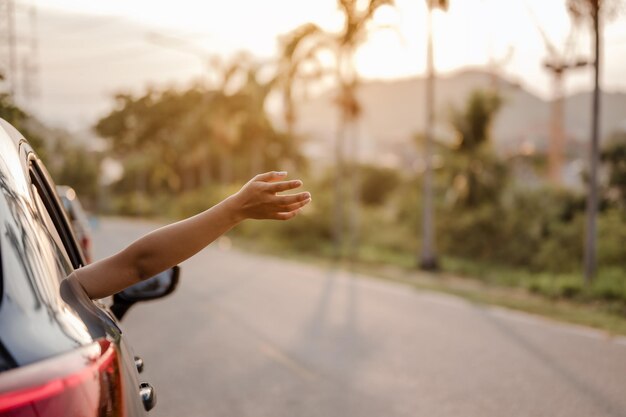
pixel 394 111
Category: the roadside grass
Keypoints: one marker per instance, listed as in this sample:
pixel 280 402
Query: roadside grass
pixel 560 297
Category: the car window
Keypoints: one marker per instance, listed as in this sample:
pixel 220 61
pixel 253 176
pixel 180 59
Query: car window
pixel 62 257
pixel 54 221
pixel 29 255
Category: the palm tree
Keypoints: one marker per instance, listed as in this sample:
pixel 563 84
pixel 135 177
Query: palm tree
pixel 348 40
pixel 303 45
pixel 297 62
pixel 297 65
pixel 428 258
pixel 593 9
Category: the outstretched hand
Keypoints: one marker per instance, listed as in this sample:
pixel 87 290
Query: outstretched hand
pixel 258 199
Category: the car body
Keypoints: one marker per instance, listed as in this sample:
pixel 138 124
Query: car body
pixel 78 219
pixel 61 354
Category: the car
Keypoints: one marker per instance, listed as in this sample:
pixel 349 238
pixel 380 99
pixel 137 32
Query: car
pixel 78 218
pixel 61 353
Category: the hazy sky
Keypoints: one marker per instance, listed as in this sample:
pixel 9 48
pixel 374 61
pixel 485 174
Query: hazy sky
pixel 89 49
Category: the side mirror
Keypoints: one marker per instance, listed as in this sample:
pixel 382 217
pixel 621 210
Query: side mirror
pixel 158 286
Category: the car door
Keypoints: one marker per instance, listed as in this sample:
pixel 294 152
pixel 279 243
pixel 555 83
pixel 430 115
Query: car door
pixel 95 316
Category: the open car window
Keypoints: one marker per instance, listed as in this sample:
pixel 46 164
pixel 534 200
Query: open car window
pixel 54 219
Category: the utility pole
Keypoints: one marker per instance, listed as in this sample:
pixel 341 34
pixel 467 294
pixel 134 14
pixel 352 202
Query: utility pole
pixel 428 259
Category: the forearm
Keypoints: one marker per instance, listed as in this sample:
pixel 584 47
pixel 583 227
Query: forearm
pixel 172 244
pixel 158 251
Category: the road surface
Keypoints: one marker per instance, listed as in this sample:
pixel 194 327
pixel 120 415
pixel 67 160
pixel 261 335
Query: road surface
pixel 249 335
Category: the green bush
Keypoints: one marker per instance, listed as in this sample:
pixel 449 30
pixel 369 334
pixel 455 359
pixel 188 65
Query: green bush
pixel 377 184
pixel 556 286
pixel 610 285
pixel 612 238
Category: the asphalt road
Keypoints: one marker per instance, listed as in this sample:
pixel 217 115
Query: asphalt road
pixel 248 335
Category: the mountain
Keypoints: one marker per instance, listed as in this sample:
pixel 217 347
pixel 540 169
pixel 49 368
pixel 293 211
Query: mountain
pixel 394 112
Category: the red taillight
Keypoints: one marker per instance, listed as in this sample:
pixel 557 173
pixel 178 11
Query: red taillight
pixel 83 383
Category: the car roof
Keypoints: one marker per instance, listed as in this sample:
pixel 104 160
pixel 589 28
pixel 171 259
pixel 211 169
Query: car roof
pixel 13 181
pixel 13 134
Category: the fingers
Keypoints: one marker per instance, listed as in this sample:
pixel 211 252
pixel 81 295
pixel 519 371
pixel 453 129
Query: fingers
pixel 284 186
pixel 284 200
pixel 284 216
pixel 296 206
pixel 270 176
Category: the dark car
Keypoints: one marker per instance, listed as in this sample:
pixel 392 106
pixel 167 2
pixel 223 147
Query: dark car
pixel 61 354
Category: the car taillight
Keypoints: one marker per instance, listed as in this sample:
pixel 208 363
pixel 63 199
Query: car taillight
pixel 85 383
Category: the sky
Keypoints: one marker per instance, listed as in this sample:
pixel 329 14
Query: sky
pixel 87 51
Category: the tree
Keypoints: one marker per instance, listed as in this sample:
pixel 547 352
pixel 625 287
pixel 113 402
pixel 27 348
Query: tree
pixel 343 45
pixel 476 176
pixel 172 141
pixel 297 62
pixel 473 123
pixel 593 10
pixel 613 157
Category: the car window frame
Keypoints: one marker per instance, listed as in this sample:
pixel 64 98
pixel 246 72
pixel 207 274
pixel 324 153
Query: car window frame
pixel 45 186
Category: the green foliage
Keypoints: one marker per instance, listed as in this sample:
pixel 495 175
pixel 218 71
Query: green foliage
pixel 78 168
pixel 11 113
pixel 612 238
pixel 474 121
pixel 555 286
pixel 475 176
pixel 377 184
pixel 614 160
pixel 610 285
pixel 172 141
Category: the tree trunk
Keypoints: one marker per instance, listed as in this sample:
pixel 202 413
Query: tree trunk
pixel 355 186
pixel 339 165
pixel 428 260
pixel 339 194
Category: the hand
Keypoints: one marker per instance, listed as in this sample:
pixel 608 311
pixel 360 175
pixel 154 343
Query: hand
pixel 258 200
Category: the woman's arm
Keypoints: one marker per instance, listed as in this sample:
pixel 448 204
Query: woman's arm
pixel 172 244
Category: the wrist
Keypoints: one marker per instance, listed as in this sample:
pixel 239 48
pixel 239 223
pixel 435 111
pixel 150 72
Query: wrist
pixel 234 209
